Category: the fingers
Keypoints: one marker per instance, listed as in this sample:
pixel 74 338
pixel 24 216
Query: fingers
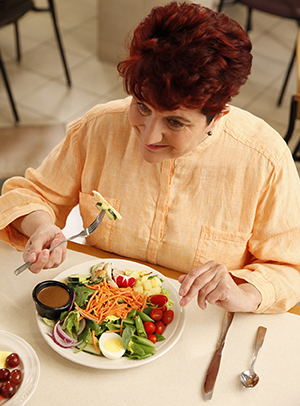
pixel 47 260
pixel 208 281
pixel 37 249
pixel 40 262
pixel 193 282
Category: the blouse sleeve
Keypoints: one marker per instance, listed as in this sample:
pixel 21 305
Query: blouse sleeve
pixel 274 245
pixel 53 187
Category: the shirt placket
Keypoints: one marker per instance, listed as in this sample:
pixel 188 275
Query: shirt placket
pixel 161 212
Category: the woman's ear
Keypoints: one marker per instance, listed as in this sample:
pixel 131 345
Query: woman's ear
pixel 225 111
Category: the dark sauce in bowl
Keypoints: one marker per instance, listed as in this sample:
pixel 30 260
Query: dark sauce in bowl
pixel 53 296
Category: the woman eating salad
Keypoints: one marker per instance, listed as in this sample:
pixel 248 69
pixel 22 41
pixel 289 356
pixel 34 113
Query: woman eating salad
pixel 203 187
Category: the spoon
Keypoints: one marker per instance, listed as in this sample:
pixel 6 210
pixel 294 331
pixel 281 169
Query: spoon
pixel 249 378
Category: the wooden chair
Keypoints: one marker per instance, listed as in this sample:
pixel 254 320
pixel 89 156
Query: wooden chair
pixel 11 11
pixel 295 105
pixel 282 8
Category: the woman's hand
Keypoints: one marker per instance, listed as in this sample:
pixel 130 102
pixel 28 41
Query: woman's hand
pixel 43 234
pixel 213 283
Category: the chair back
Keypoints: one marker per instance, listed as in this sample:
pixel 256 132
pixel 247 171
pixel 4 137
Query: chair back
pixel 281 8
pixel 12 10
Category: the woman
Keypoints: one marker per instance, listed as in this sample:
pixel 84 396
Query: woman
pixel 204 188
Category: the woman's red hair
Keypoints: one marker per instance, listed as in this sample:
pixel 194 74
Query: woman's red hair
pixel 186 55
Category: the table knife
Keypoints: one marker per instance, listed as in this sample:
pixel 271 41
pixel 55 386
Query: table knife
pixel 213 368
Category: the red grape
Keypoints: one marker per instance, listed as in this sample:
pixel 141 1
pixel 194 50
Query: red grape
pixel 16 376
pixel 8 389
pixel 13 360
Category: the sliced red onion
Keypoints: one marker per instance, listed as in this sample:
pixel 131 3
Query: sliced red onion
pixel 72 303
pixel 61 338
pixel 63 335
pixel 82 325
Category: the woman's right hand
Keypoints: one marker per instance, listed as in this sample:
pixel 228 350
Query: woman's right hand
pixel 43 234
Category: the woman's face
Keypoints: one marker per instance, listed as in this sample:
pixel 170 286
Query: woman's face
pixel 168 134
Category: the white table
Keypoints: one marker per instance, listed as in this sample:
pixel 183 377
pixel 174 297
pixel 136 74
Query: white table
pixel 177 377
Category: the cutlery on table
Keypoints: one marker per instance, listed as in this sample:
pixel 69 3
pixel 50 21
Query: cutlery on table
pixel 213 368
pixel 249 378
pixel 84 233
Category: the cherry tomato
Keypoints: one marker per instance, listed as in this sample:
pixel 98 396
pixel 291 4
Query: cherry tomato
pixel 149 327
pixel 168 317
pixel 159 327
pixel 156 314
pixel 8 389
pixel 4 374
pixel 159 300
pixel 13 360
pixel 16 376
pixel 152 338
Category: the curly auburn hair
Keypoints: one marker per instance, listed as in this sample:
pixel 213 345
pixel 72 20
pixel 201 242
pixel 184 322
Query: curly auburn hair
pixel 183 54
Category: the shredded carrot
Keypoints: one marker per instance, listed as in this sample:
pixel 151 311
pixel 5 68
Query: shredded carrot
pixel 94 341
pixel 108 300
pixel 114 331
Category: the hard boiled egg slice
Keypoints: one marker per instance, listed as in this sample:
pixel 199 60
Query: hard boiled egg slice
pixel 111 345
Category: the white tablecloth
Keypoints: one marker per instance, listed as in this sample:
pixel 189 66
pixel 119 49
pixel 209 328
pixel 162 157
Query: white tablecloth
pixel 177 377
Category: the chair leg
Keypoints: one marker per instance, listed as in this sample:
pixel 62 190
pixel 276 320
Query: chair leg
pixel 52 10
pixel 287 77
pixel 220 6
pixel 225 3
pixel 293 113
pixel 17 41
pixel 295 153
pixel 249 19
pixel 9 91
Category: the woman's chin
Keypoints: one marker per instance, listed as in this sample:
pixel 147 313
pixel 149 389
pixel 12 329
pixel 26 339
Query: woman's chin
pixel 153 157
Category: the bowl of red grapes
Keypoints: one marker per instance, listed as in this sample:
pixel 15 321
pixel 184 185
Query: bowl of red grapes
pixel 11 376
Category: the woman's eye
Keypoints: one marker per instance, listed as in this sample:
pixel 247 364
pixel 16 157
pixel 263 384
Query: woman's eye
pixel 143 109
pixel 175 124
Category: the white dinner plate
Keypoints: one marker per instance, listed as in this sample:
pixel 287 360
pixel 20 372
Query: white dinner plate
pixel 172 332
pixel 29 365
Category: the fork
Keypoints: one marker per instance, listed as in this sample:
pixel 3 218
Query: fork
pixel 84 233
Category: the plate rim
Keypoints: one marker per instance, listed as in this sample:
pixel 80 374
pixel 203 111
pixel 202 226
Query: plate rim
pixel 124 363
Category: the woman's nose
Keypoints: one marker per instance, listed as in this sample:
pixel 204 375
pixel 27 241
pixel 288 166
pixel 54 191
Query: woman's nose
pixel 152 131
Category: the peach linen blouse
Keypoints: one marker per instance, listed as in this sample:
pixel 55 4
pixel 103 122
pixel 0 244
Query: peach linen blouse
pixel 234 199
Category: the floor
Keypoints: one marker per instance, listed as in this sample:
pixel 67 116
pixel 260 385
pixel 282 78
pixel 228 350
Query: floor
pixel 43 98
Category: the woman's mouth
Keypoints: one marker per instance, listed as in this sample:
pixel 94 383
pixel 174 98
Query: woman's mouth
pixel 155 147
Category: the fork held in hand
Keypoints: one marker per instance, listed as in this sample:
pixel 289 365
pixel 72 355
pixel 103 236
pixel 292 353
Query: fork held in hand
pixel 84 233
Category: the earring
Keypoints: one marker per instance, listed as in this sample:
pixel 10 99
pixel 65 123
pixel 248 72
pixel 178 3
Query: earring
pixel 209 133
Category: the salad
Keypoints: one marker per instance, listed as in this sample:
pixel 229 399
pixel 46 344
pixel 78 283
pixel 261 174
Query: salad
pixel 114 313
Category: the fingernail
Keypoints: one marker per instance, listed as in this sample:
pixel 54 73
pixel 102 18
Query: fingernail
pixel 32 257
pixel 182 302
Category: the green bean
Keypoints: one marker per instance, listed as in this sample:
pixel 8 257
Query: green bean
pixel 147 310
pixel 142 340
pixel 128 321
pixel 144 316
pixel 140 326
pixel 147 350
pixel 131 314
pixel 137 349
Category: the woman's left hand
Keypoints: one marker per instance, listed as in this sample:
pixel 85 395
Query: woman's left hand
pixel 213 283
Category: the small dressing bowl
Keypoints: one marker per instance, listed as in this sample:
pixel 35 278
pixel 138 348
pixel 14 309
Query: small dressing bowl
pixel 52 298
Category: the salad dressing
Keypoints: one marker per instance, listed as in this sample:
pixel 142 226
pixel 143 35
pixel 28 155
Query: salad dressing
pixel 53 296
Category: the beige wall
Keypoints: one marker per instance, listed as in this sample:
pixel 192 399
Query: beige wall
pixel 116 18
